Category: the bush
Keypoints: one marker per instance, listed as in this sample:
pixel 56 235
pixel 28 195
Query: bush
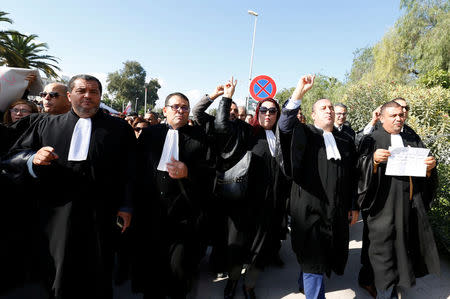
pixel 428 115
pixel 440 211
pixel 435 77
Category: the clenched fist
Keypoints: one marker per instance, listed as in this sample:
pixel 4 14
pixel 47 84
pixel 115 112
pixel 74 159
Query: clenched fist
pixel 45 155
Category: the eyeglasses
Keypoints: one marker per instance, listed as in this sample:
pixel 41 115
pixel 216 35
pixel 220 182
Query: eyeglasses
pixel 52 94
pixel 22 111
pixel 341 114
pixel 271 110
pixel 138 129
pixel 405 107
pixel 178 107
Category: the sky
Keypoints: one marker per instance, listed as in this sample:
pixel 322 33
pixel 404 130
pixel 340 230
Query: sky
pixel 193 46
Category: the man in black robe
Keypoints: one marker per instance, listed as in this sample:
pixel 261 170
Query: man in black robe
pixel 80 187
pixel 172 166
pixel 401 245
pixel 340 121
pixel 365 276
pixel 321 162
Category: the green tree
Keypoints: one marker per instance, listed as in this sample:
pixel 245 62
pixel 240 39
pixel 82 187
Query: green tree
pixel 5 49
pixel 363 63
pixel 152 93
pixel 27 54
pixel 325 87
pixel 419 43
pixel 435 77
pixel 128 84
pixel 424 34
pixel 283 95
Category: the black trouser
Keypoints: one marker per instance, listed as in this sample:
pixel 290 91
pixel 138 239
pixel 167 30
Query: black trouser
pixel 365 276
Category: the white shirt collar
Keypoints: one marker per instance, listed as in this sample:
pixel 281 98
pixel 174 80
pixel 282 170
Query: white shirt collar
pixel 396 140
pixel 330 145
pixel 170 149
pixel 272 141
pixel 81 138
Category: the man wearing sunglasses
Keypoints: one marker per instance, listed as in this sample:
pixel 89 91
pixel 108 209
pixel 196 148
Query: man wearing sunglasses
pixel 173 172
pixel 55 101
pixel 54 98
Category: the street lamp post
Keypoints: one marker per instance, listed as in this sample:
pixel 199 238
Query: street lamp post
pixel 145 101
pixel 251 12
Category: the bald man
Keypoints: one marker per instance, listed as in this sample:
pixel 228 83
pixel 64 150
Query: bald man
pixel 55 99
pixel 321 162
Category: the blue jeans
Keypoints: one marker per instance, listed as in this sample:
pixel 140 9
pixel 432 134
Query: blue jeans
pixel 390 293
pixel 313 285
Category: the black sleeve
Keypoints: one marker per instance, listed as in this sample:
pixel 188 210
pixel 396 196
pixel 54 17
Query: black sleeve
pixel 368 181
pixel 129 169
pixel 199 114
pixel 222 123
pixel 286 123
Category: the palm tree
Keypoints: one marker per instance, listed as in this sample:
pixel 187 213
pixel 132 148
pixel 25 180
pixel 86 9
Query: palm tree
pixel 27 54
pixel 3 18
pixel 4 34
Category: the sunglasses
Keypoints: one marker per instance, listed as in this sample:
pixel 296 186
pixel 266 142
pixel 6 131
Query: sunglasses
pixel 177 107
pixel 271 110
pixel 22 111
pixel 405 107
pixel 138 129
pixel 52 94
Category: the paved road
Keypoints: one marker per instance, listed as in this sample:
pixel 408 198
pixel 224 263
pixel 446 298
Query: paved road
pixel 275 283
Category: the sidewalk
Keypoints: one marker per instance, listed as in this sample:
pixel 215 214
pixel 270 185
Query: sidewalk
pixel 277 283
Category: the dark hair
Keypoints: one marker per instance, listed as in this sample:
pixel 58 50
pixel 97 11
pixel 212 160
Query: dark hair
pixel 341 105
pixel 84 77
pixel 7 120
pixel 255 121
pixel 389 104
pixel 179 94
pixel 138 120
pixel 153 113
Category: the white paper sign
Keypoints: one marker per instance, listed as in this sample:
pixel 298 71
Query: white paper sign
pixel 407 161
pixel 13 84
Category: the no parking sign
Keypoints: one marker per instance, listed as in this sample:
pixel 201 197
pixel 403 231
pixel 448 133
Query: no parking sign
pixel 262 87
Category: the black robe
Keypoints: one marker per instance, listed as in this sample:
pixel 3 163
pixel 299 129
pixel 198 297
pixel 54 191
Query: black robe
pixel 321 194
pixel 167 242
pixel 401 246
pixel 253 222
pixel 77 202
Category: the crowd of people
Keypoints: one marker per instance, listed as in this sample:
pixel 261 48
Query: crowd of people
pixel 91 199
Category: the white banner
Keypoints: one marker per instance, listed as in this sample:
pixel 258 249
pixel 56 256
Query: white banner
pixel 13 84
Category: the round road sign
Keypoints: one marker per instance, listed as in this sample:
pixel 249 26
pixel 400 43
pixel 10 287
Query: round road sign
pixel 262 87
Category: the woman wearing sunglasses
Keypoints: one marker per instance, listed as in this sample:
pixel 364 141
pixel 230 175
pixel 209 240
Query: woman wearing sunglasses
pixel 17 110
pixel 254 222
pixel 138 125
